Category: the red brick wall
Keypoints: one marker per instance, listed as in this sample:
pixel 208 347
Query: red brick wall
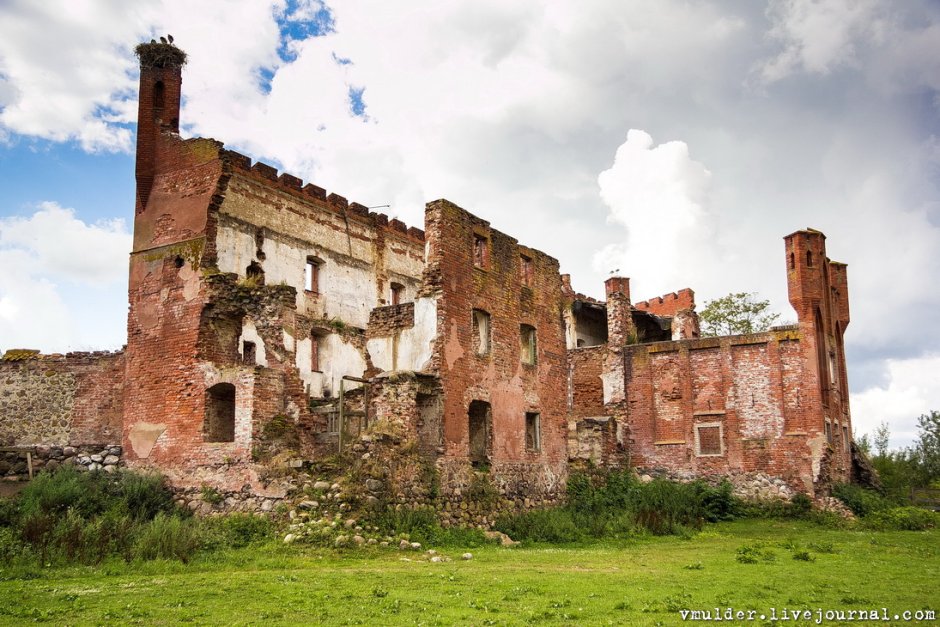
pixel 669 304
pixel 511 387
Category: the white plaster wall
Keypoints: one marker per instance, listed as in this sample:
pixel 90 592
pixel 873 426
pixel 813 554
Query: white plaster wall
pixel 250 333
pixel 337 359
pixel 414 344
pixel 347 292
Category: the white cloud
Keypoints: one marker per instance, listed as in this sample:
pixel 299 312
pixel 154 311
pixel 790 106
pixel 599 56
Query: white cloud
pixel 911 390
pixel 512 109
pixel 56 265
pixel 56 243
pixel 659 194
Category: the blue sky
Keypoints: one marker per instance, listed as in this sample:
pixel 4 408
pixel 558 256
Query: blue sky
pixel 676 141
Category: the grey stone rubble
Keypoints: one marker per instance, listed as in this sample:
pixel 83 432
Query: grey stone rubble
pixel 16 461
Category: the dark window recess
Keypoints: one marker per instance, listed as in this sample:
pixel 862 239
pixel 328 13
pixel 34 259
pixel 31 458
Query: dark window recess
pixel 398 291
pixel 525 271
pixel 219 425
pixel 533 432
pixel 249 353
pixel 481 251
pixel 315 340
pixel 312 275
pixel 480 419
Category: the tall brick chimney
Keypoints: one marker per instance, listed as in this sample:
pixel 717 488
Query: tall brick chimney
pixel 619 311
pixel 158 110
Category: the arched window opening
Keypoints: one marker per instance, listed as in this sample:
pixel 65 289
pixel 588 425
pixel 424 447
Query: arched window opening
pixel 792 261
pixel 809 258
pixel 219 425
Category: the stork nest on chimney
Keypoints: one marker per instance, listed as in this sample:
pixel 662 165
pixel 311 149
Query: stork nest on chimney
pixel 160 55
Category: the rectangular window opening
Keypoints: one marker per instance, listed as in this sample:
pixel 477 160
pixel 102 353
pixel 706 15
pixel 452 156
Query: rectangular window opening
pixel 312 275
pixel 533 432
pixel 315 341
pixel 525 271
pixel 398 291
pixel 480 251
pixel 249 353
pixel 527 344
pixel 481 332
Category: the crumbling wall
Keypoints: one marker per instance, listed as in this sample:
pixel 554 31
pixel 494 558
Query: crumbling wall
pixel 474 267
pixel 72 399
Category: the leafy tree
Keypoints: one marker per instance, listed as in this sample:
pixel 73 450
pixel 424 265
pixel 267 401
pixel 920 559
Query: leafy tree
pixel 736 314
pixel 882 436
pixel 927 446
pixel 863 442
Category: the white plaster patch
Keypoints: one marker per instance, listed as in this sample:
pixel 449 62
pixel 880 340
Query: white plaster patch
pixel 250 334
pixel 612 386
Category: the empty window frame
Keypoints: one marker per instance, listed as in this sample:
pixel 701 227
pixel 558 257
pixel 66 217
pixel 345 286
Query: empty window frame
pixel 480 427
pixel 708 440
pixel 312 275
pixel 481 332
pixel 249 353
pixel 533 431
pixel 316 348
pixel 219 424
pixel 398 293
pixel 525 270
pixel 845 438
pixel 481 251
pixel 828 432
pixel 527 344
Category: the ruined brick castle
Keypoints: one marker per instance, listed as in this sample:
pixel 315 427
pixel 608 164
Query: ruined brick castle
pixel 273 323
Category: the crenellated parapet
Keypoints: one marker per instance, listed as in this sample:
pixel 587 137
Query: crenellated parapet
pixel 317 196
pixel 668 304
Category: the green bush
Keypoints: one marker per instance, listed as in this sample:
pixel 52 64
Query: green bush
pixel 422 525
pixel 862 502
pixel 167 537
pixel 68 516
pixel 554 525
pixel 618 505
pixel 903 519
pixel 236 531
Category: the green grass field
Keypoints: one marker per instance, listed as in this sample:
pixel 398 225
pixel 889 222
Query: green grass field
pixel 645 581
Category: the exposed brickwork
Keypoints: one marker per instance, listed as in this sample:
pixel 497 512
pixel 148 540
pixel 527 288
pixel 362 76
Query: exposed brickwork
pixel 669 304
pixel 254 298
pixel 61 399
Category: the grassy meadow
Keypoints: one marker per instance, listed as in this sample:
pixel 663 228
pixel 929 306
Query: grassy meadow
pixel 751 564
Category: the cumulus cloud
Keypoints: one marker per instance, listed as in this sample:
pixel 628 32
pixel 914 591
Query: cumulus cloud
pixel 910 390
pixel 57 267
pixel 513 109
pixel 659 195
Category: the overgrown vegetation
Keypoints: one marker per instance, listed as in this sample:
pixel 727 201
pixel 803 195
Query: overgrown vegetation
pixel 878 512
pixel 619 505
pixel 69 516
pixel 901 470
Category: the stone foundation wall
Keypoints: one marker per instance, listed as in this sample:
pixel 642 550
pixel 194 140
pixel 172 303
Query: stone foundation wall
pixel 16 461
pixel 72 399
